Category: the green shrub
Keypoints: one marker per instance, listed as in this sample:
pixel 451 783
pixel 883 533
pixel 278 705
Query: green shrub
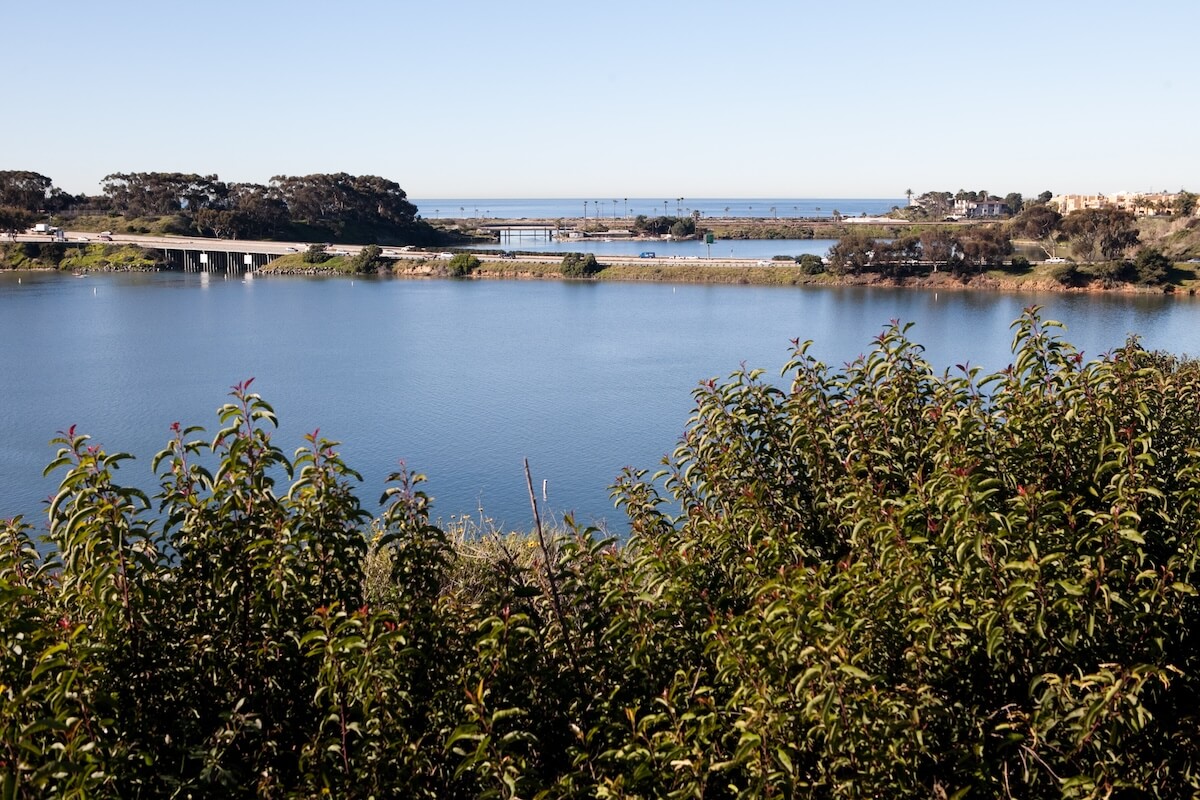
pixel 887 583
pixel 315 254
pixel 579 265
pixel 462 264
pixel 1019 264
pixel 1151 267
pixel 367 260
pixel 810 264
pixel 1066 274
pixel 1120 270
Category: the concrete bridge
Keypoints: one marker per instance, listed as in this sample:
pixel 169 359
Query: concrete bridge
pixel 188 255
pixel 208 260
pixel 506 233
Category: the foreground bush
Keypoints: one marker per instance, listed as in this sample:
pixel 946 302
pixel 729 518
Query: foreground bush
pixel 883 582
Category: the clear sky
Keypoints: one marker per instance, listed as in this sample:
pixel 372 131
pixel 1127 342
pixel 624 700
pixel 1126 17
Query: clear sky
pixel 475 98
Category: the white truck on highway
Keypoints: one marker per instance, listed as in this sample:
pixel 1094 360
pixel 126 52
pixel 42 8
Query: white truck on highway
pixel 46 229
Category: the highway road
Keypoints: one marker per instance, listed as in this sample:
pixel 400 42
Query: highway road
pixel 284 248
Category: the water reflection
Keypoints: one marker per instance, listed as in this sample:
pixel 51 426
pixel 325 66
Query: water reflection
pixel 462 379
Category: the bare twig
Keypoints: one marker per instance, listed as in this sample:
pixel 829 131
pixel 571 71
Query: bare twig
pixel 551 577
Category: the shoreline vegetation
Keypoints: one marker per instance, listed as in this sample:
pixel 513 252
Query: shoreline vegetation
pixel 1182 278
pixel 971 240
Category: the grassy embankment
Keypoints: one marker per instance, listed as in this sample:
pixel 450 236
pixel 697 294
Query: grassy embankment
pixel 76 258
pixel 294 264
pixel 168 225
pixel 1034 277
pixel 825 229
pixel 1178 239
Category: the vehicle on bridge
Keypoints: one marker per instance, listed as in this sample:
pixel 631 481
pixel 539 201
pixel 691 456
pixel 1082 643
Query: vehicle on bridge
pixel 646 254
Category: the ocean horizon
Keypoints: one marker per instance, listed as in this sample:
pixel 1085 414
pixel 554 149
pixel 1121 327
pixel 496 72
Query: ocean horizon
pixel 629 208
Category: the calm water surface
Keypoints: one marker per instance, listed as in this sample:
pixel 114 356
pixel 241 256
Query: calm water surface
pixel 460 379
pixel 631 207
pixel 689 249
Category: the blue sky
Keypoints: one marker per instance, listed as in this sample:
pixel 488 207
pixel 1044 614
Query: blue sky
pixel 457 98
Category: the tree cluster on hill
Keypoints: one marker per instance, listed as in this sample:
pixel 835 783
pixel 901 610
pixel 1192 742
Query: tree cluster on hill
pixel 978 246
pixel 362 208
pixel 936 205
pixel 679 227
pixel 1107 238
pixel 25 197
pixel 882 581
pixel 337 206
pixel 32 192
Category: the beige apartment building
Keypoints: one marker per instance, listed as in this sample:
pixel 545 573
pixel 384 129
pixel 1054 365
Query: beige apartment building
pixel 1142 205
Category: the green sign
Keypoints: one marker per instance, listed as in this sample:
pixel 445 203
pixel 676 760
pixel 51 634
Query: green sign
pixel 708 238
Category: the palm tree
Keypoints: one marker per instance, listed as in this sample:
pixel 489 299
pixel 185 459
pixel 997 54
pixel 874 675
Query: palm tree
pixel 909 194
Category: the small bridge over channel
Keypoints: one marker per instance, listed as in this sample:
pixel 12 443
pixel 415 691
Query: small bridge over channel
pixel 518 233
pixel 187 255
pixel 210 260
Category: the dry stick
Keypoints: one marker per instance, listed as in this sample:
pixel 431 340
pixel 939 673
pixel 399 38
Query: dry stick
pixel 555 601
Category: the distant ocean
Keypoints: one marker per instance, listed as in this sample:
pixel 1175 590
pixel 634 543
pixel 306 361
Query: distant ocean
pixel 610 208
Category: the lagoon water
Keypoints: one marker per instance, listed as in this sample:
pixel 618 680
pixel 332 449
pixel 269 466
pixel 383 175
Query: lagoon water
pixel 460 379
pixel 687 249
pixel 630 207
